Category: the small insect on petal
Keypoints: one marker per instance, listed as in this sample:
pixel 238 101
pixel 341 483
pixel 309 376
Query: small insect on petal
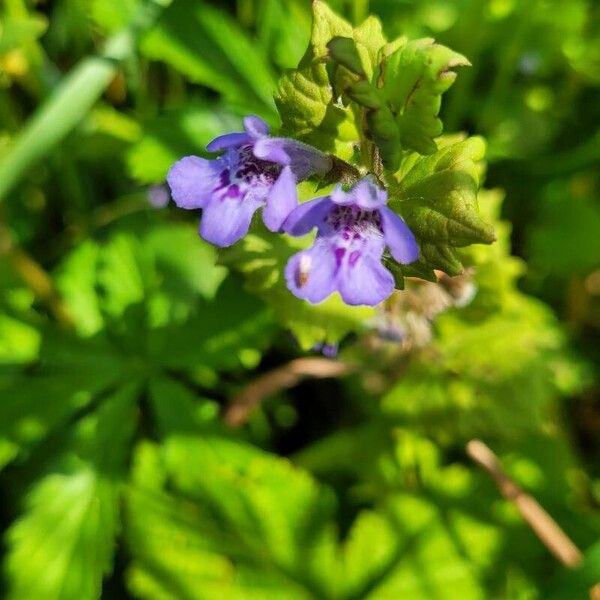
pixel 303 270
pixel 353 229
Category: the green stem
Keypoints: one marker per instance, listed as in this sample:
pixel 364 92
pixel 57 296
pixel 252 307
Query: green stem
pixel 72 99
pixel 360 11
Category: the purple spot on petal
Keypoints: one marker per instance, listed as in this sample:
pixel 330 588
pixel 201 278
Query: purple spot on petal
pixel 233 191
pixel 354 256
pixel 339 255
pixel 224 180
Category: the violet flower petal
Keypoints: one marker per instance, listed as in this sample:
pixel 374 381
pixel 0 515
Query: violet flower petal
pixel 368 195
pixel 191 180
pixel 398 237
pixel 281 200
pixel 365 194
pixel 255 126
pixel 302 158
pixel 365 282
pixel 228 140
pixel 307 215
pixel 226 221
pixel 310 274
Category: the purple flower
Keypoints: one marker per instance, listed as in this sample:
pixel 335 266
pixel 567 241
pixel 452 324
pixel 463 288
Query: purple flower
pixel 353 230
pixel 158 196
pixel 255 170
pixel 327 350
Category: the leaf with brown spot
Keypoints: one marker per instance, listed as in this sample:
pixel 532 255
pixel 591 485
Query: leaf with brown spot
pixel 414 77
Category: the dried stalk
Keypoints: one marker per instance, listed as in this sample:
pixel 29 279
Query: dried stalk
pixel 542 524
pixel 282 378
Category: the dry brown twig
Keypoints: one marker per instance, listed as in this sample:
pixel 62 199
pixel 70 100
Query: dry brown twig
pixel 290 374
pixel 542 524
pixel 282 378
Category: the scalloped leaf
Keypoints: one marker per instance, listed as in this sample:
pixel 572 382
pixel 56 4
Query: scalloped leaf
pixel 234 522
pixel 63 544
pixel 304 96
pixel 437 197
pixel 350 78
pixel 414 78
pixel 214 517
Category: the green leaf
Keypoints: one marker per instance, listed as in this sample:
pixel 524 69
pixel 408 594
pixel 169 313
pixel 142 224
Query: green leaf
pixel 236 523
pixel 414 78
pixel 176 134
pixel 350 79
pixel 124 274
pixel 163 267
pixel 112 17
pixel 63 544
pixel 74 373
pixel 177 409
pixel 437 196
pixel 349 451
pixel 398 86
pixel 19 341
pixel 225 333
pixel 370 40
pixel 407 550
pixel 467 392
pixel 76 281
pixel 211 516
pixel 326 25
pixel 210 48
pixel 20 28
pixel 162 298
pixel 344 51
pixel 496 271
pixel 261 258
pixel 185 263
pixel 304 100
pixel 304 96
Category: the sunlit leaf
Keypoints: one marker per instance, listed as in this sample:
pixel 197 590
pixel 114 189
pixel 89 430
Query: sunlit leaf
pixel 437 196
pixel 63 544
pixel 414 78
pixel 236 523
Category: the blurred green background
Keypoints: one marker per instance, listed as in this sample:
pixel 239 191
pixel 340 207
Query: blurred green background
pixel 122 342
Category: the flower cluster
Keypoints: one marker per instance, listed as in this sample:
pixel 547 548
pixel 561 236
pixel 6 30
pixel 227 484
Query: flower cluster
pixel 256 170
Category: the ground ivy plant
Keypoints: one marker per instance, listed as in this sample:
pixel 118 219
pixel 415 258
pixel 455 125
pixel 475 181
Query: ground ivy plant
pixel 360 145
